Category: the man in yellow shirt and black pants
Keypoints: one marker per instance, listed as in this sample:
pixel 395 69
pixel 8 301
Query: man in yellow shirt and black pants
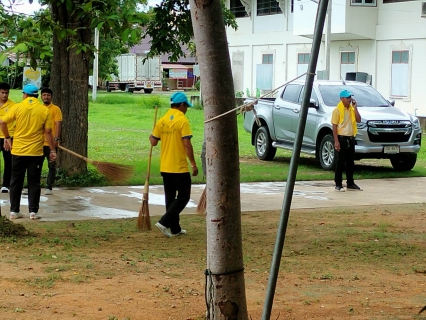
pixel 5 105
pixel 344 119
pixel 46 97
pixel 33 123
pixel 175 134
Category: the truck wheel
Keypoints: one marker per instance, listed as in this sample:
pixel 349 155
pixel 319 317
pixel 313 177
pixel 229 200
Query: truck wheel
pixel 327 156
pixel 108 87
pixel 404 162
pixel 263 144
pixel 147 90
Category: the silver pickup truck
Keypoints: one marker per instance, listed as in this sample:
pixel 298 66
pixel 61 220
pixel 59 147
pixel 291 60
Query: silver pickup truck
pixel 384 131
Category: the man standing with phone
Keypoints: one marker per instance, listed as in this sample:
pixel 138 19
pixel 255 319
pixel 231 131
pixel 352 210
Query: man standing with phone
pixel 344 119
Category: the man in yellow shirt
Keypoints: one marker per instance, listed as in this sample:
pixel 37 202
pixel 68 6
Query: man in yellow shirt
pixel 5 105
pixel 46 97
pixel 33 123
pixel 344 119
pixel 175 134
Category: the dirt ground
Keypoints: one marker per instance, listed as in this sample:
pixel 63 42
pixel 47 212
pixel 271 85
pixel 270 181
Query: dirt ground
pixel 366 263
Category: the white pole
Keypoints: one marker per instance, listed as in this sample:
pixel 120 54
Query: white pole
pixel 327 42
pixel 95 66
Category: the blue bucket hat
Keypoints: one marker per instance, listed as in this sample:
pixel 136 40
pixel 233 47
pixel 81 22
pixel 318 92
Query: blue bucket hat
pixel 30 89
pixel 345 94
pixel 179 97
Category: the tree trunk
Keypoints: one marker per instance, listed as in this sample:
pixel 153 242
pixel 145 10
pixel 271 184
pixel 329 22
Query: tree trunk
pixel 70 85
pixel 225 268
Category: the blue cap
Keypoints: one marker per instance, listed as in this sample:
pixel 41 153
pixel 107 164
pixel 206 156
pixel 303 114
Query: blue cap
pixel 179 97
pixel 30 89
pixel 345 94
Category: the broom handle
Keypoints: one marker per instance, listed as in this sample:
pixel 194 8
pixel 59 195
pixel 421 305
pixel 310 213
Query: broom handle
pixel 146 187
pixel 75 154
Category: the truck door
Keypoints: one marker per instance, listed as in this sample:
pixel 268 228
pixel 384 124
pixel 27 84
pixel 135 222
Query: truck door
pixel 286 108
pixel 309 137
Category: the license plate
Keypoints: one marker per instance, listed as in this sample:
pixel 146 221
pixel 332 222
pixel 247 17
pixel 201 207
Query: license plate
pixel 391 149
pixel 148 85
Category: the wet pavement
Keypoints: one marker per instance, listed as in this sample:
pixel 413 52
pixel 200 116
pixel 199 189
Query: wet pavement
pixel 125 201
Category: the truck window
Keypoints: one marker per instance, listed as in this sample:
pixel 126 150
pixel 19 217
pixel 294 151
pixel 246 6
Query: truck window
pixel 291 93
pixel 365 96
pixel 313 95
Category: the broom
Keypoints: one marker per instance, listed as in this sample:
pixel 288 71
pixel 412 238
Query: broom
pixel 144 221
pixel 112 171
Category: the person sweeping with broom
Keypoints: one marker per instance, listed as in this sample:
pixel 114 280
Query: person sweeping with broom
pixel 175 134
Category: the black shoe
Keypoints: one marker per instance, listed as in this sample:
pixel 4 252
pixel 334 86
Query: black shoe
pixel 339 188
pixel 353 187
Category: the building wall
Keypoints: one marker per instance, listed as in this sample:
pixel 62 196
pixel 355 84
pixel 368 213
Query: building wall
pixel 371 32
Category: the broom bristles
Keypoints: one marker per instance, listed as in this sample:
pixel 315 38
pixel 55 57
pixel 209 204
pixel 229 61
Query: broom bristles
pixel 202 203
pixel 113 171
pixel 144 221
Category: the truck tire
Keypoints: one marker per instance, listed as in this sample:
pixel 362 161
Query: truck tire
pixel 108 87
pixel 147 90
pixel 263 144
pixel 404 162
pixel 326 154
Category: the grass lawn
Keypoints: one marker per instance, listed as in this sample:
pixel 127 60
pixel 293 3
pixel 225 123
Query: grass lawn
pixel 120 124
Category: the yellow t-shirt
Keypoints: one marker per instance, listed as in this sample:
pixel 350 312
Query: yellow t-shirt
pixel 56 117
pixel 31 118
pixel 10 126
pixel 344 118
pixel 171 129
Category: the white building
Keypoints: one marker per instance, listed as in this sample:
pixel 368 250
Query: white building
pixel 384 38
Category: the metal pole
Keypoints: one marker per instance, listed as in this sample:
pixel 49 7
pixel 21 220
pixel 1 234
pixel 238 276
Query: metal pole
pixel 285 211
pixel 95 66
pixel 327 42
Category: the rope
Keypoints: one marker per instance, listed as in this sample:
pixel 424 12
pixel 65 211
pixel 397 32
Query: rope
pixel 250 105
pixel 209 289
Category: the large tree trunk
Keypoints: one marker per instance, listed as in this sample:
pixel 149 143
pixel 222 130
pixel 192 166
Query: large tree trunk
pixel 70 84
pixel 226 288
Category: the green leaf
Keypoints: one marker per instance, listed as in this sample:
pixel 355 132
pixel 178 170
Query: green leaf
pixel 21 47
pixel 61 33
pixel 125 35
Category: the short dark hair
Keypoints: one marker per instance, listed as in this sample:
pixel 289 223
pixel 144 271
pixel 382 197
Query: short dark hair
pixel 47 90
pixel 4 86
pixel 32 95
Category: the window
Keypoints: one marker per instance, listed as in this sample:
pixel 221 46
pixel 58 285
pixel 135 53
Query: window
pixel 399 81
pixel 267 7
pixel 291 93
pixel 267 58
pixel 347 63
pixel 238 9
pixel 367 3
pixel 302 63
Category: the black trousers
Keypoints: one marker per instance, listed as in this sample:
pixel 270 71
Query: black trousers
pixel 7 170
pixel 32 165
pixel 345 160
pixel 51 176
pixel 177 190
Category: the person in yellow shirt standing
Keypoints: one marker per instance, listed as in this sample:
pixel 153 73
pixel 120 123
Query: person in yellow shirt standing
pixel 5 105
pixel 175 134
pixel 344 119
pixel 46 97
pixel 33 123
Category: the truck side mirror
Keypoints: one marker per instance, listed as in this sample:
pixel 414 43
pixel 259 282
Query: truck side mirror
pixel 313 103
pixel 392 102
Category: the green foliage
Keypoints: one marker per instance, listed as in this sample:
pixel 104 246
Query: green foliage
pixel 239 94
pixel 171 26
pixel 90 178
pixel 197 85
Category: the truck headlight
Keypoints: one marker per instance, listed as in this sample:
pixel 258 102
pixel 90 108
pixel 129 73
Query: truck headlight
pixel 416 124
pixel 361 125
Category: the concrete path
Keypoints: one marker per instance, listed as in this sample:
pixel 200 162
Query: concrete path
pixel 125 201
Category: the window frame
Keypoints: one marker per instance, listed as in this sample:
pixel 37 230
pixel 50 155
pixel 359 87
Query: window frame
pixel 270 7
pixel 236 8
pixel 363 3
pixel 405 97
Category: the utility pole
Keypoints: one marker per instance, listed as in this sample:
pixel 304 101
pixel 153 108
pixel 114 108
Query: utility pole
pixel 95 66
pixel 327 42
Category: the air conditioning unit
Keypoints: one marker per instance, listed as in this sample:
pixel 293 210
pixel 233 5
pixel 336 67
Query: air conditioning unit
pixel 423 10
